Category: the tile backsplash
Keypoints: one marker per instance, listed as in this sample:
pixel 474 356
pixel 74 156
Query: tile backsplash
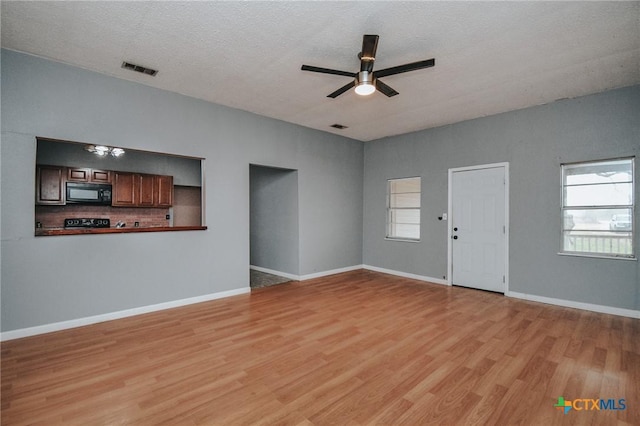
pixel 51 217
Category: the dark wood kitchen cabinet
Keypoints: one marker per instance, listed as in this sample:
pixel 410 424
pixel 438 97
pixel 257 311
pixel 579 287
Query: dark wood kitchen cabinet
pixel 164 191
pixel 100 176
pixel 146 190
pixel 123 191
pixel 50 188
pixel 142 190
pixel 76 174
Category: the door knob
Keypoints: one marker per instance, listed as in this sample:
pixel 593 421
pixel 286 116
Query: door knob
pixel 455 229
pixel 455 237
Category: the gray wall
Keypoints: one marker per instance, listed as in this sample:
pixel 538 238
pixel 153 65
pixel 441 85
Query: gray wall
pixel 185 171
pixel 274 218
pixel 51 279
pixel 535 141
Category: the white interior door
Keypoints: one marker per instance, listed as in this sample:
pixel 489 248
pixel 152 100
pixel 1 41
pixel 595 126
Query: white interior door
pixel 478 228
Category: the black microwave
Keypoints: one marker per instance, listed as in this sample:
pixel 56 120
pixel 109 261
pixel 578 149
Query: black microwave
pixel 88 193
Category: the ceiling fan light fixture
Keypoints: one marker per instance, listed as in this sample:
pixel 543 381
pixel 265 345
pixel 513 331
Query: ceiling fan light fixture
pixel 364 83
pixel 367 81
pixel 364 89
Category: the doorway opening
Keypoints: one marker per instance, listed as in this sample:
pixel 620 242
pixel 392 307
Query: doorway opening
pixel 274 230
pixel 478 247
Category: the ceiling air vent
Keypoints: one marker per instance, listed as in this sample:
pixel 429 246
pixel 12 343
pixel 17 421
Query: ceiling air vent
pixel 339 126
pixel 139 68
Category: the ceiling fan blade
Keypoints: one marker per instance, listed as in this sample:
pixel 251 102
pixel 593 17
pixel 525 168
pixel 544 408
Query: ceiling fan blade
pixel 327 71
pixel 384 89
pixel 368 53
pixel 405 68
pixel 341 90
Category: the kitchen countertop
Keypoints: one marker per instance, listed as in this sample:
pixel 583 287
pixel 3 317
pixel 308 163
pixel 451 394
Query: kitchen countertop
pixel 113 230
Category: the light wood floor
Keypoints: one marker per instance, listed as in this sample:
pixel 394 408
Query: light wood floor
pixel 354 348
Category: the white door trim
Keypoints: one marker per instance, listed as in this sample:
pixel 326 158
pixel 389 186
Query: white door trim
pixel 505 166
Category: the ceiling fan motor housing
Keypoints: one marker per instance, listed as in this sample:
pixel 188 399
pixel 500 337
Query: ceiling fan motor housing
pixel 364 77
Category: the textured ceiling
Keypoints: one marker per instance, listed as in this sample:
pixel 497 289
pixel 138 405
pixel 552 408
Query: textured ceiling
pixel 491 57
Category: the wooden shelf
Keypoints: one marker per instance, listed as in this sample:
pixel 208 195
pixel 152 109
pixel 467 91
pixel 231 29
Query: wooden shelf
pixel 85 231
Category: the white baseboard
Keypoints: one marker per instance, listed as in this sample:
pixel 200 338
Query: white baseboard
pixel 274 272
pixel 406 275
pixel 308 276
pixel 79 322
pixel 578 305
pixel 330 272
pixel 63 325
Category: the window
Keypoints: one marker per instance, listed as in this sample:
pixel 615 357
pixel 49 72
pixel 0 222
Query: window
pixel 597 208
pixel 403 209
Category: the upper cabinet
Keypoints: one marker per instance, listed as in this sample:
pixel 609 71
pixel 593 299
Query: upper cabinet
pixel 100 176
pixel 142 190
pixel 129 189
pixel 164 191
pixel 123 191
pixel 50 182
pixel 75 174
pixel 146 190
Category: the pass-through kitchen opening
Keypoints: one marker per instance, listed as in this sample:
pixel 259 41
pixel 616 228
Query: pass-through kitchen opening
pixel 88 188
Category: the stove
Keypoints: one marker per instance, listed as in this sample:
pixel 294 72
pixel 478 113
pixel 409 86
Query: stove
pixel 87 223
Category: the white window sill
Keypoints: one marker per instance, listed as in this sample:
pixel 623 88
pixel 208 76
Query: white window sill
pixel 402 240
pixel 597 256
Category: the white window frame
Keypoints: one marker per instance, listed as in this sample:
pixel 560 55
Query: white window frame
pixel 631 207
pixel 390 222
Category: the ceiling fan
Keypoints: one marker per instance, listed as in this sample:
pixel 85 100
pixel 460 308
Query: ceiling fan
pixel 367 81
